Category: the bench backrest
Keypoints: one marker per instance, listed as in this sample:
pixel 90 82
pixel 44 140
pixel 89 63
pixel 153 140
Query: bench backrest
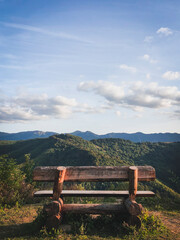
pixel 93 173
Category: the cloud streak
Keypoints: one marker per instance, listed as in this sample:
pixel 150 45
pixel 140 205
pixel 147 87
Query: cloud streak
pixel 43 31
pixel 128 68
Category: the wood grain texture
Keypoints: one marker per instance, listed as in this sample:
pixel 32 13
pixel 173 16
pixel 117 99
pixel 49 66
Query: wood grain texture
pixel 95 208
pixel 94 193
pixel 93 173
pixel 58 182
pixel 133 182
pixel 133 207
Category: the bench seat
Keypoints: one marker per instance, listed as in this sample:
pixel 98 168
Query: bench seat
pixel 93 193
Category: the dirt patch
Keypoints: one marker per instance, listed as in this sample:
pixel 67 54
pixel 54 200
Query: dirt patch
pixel 17 221
pixel 171 221
pixel 25 214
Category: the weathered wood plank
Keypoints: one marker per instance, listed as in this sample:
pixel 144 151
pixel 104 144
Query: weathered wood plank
pixel 93 193
pixel 93 173
pixel 95 208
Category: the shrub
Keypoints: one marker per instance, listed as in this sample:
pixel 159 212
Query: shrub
pixel 13 189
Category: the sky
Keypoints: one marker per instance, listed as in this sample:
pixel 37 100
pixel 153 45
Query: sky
pixel 97 65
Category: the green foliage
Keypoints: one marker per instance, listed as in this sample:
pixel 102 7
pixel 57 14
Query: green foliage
pixel 28 167
pixel 165 198
pixel 57 150
pixel 164 157
pixel 110 227
pixel 83 227
pixel 151 228
pixel 13 190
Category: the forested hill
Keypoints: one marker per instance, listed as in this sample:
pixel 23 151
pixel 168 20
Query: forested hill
pixel 165 157
pixel 62 149
pixel 71 150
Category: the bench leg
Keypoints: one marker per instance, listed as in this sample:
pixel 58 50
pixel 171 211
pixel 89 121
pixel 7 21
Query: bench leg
pixel 133 207
pixel 52 213
pixel 134 221
pixel 58 182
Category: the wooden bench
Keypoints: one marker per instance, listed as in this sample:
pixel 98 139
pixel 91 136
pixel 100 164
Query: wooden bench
pixel 58 175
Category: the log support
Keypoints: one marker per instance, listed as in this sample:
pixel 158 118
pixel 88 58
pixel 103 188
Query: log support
pixel 133 182
pixel 58 182
pixel 95 208
pixel 53 214
pixel 134 209
pixel 53 210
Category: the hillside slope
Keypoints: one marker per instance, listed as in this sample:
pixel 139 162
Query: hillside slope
pixel 163 156
pixel 56 150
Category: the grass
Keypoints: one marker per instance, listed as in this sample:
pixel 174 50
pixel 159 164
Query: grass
pixel 24 223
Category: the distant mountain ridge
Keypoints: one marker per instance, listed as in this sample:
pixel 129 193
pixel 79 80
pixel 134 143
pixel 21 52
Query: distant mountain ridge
pixel 134 137
pixel 25 135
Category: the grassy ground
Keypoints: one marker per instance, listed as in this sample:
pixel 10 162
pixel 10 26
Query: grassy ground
pixel 19 223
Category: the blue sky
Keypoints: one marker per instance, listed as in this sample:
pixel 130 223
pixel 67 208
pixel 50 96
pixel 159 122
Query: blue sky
pixel 98 65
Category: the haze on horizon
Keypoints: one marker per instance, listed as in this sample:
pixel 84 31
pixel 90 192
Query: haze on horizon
pixel 98 65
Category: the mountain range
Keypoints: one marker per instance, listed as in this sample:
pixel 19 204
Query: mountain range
pixel 134 137
pixel 69 150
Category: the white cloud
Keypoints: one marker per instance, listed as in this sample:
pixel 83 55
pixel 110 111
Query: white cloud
pixel 15 67
pixel 107 89
pixel 14 113
pixel 147 58
pixel 128 68
pixel 164 31
pixel 118 113
pixel 176 114
pixel 85 108
pixel 148 76
pixel 85 86
pixel 136 96
pixel 148 39
pixel 170 75
pixel 31 107
pixel 64 101
pixel 27 107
